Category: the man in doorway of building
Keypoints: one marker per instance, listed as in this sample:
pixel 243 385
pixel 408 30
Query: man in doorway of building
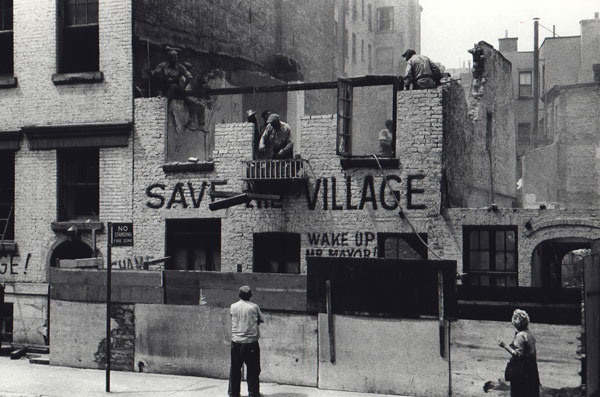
pixel 276 140
pixel 245 318
pixel 385 139
pixel 420 72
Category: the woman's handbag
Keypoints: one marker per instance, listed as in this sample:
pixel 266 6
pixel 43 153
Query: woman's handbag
pixel 509 371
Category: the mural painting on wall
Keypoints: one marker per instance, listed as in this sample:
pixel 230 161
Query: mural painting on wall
pixel 342 244
pixel 11 265
pixel 373 195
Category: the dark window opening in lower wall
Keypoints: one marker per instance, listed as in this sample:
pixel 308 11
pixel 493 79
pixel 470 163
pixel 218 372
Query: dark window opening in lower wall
pixel 7 195
pixel 70 250
pixel 6 322
pixel 401 245
pixel 276 252
pixel 194 244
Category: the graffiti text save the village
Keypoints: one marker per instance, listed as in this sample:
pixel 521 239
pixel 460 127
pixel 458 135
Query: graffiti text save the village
pixel 323 193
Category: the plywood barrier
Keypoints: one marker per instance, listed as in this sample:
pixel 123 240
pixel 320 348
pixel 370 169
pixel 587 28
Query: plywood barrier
pixel 195 340
pixel 388 356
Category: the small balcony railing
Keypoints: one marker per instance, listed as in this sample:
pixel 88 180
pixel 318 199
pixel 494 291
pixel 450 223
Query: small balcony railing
pixel 263 170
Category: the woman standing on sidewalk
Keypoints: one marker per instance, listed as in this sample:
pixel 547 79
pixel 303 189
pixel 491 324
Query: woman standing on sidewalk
pixel 525 379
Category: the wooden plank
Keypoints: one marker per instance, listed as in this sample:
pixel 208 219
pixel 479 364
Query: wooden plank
pixel 280 301
pixel 17 354
pixel 592 325
pixel 98 277
pixel 330 329
pixel 288 282
pixel 181 288
pixel 97 293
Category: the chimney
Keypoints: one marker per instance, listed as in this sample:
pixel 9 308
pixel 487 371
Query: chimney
pixel 596 15
pixel 508 44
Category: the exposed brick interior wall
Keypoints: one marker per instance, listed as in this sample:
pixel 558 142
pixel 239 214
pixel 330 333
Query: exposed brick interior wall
pixel 494 142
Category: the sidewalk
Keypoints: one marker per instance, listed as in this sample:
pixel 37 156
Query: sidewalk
pixel 19 378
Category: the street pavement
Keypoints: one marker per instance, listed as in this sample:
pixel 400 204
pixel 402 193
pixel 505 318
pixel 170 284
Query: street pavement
pixel 19 378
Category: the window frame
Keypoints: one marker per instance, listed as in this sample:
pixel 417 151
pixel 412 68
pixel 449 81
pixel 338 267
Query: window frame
pixel 522 87
pixel 345 90
pixel 7 37
pixel 492 271
pixel 73 160
pixel 73 36
pixel 385 24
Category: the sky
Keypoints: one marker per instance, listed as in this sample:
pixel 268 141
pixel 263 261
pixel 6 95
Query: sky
pixel 450 27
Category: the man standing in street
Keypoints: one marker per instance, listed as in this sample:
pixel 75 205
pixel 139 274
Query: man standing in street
pixel 420 72
pixel 245 318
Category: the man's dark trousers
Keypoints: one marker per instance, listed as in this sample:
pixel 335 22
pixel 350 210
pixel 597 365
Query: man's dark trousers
pixel 249 354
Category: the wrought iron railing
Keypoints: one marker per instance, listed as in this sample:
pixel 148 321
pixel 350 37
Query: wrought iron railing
pixel 275 169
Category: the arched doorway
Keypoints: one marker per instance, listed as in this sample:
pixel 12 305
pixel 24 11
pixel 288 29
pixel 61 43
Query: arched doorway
pixel 558 262
pixel 70 250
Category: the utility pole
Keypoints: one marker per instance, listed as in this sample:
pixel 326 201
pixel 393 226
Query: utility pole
pixel 536 79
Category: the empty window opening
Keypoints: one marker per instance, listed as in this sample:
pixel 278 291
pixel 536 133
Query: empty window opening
pixel 194 244
pixel 276 252
pixel 78 184
pixel 70 250
pixel 6 322
pixel 366 119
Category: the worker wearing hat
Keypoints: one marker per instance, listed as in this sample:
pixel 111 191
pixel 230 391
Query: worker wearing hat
pixel 276 140
pixel 245 318
pixel 419 71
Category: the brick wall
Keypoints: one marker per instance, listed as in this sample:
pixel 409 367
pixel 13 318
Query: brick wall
pixel 37 101
pixel 537 188
pixel 562 171
pixel 590 42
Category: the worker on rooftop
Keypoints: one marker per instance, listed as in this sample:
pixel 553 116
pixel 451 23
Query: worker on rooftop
pixel 420 72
